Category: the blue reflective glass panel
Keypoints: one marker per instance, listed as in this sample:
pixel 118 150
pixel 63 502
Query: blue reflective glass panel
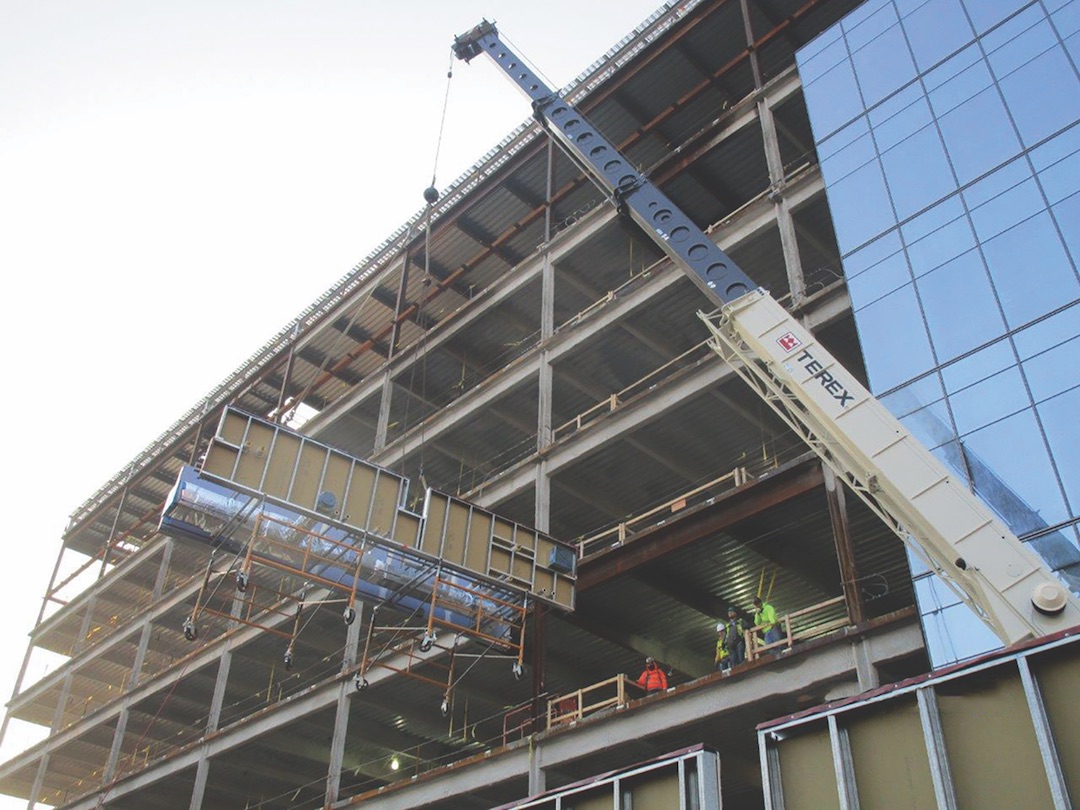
pixel 1049 333
pixel 821 54
pixel 956 634
pixel 987 13
pixel 895 345
pixel 860 207
pixel 925 392
pixel 1042 95
pixel 962 84
pixel 848 149
pixel 833 99
pixel 1055 368
pixel 960 307
pixel 979 366
pixel 930 221
pixel 1065 16
pixel 933 594
pixel 978 135
pixel 1057 163
pixel 952 456
pixel 988 401
pixel 868 22
pixel 932 427
pixel 900 117
pixel 1072 45
pixel 1067 216
pixel 1018 41
pixel 917 172
pixel 1007 209
pixel 887 275
pixel 883 65
pixel 936 29
pixel 1012 472
pixel 945 242
pixel 1030 270
pixel 1059 417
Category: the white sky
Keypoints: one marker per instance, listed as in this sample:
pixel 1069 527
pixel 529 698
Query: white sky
pixel 178 180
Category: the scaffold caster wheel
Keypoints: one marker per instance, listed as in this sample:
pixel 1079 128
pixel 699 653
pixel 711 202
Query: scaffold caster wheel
pixel 191 632
pixel 288 659
pixel 361 684
pixel 241 581
pixel 518 671
pixel 427 642
pixel 349 615
pixel 445 707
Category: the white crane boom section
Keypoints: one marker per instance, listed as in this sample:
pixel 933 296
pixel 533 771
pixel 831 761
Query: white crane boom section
pixel 944 523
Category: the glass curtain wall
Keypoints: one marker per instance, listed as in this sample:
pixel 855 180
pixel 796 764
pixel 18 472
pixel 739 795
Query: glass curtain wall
pixel 949 138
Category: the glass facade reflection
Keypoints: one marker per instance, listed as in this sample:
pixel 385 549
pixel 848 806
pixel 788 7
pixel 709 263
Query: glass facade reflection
pixel 949 138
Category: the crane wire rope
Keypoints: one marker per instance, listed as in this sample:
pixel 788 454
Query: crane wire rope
pixel 431 196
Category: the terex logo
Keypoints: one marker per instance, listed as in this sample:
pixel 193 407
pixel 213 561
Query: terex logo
pixel 788 342
pixel 828 381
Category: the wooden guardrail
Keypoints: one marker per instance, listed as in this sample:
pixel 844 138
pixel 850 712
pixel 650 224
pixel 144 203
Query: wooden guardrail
pixel 619 534
pixel 619 398
pixel 755 647
pixel 572 706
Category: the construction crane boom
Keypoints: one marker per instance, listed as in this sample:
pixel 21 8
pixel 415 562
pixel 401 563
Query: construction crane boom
pixel 938 518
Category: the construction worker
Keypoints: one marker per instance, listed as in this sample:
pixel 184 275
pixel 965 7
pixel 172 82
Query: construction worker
pixel 652 678
pixel 730 644
pixel 765 618
pixel 723 658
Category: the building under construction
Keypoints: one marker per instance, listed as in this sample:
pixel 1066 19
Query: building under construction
pixel 415 552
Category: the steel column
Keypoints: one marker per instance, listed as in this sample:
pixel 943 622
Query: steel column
pixel 1055 776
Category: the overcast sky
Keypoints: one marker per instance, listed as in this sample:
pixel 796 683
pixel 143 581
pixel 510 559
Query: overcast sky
pixel 179 179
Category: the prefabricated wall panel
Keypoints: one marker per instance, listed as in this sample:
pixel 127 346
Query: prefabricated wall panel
pixel 683 780
pixel 462 534
pixel 1002 732
pixel 270 460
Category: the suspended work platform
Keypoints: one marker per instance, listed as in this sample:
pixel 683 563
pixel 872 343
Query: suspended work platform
pixel 292 514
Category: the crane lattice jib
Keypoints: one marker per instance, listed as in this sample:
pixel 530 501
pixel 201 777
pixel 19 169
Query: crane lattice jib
pixel 943 523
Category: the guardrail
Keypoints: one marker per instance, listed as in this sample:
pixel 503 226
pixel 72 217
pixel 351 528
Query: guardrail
pixel 808 628
pixel 623 532
pixel 640 386
pixel 571 707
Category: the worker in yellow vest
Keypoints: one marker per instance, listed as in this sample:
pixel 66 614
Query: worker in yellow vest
pixel 765 618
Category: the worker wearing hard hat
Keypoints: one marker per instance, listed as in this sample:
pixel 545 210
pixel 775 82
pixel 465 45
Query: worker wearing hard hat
pixel 730 644
pixel 652 678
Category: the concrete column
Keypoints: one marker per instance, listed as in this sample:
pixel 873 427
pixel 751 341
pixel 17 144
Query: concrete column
pixel 845 552
pixel 537 777
pixel 341 714
pixel 213 718
pixel 136 668
pixel 61 702
pixel 384 412
pixel 785 222
pixel 545 381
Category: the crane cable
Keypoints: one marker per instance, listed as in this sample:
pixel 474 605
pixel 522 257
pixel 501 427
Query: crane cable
pixel 431 196
pixel 442 118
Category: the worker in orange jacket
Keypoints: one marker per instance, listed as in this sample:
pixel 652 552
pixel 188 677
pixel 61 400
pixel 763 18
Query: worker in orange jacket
pixel 652 678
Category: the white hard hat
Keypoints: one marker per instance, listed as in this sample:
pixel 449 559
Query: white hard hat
pixel 720 627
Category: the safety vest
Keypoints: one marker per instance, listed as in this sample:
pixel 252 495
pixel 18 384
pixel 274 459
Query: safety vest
pixel 766 617
pixel 652 679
